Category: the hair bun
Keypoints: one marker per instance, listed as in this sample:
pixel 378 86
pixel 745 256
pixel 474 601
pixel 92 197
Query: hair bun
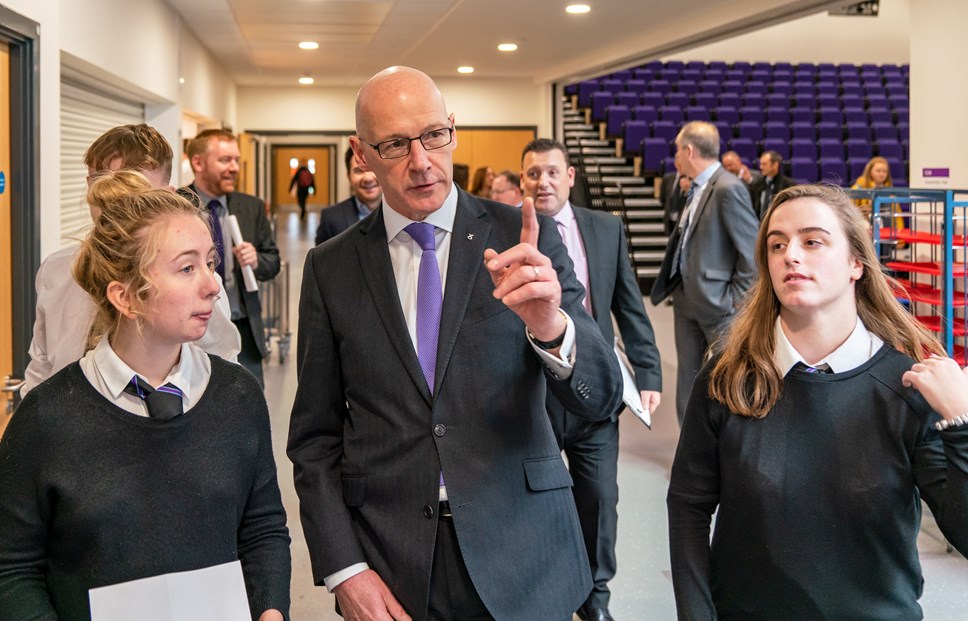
pixel 110 187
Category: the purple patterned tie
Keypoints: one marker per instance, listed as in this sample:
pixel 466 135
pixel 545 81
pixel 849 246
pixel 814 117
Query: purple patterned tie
pixel 213 222
pixel 429 299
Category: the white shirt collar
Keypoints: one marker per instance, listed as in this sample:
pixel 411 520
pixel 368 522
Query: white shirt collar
pixel 116 374
pixel 859 347
pixel 443 218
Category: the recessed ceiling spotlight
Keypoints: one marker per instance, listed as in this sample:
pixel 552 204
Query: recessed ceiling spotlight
pixel 181 80
pixel 576 9
pixel 307 80
pixel 308 45
pixel 508 47
pixel 465 70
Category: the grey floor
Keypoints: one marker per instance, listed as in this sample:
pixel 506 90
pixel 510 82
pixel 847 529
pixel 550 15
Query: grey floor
pixel 642 590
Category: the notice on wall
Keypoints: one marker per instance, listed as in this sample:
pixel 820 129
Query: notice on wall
pixel 936 177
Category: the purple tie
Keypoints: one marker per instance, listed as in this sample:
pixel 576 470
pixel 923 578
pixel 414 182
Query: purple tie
pixel 213 206
pixel 429 299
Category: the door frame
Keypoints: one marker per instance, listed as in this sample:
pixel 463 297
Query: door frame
pixel 22 37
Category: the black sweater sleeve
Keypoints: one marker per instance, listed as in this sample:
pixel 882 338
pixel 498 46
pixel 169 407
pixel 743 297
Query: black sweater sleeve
pixel 941 473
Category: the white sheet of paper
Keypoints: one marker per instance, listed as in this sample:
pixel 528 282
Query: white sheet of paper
pixel 630 392
pixel 211 594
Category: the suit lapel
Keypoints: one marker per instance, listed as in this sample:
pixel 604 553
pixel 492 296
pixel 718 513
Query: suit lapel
pixel 707 193
pixel 371 248
pixel 464 266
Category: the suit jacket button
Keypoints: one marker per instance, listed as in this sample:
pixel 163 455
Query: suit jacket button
pixel 428 511
pixel 439 430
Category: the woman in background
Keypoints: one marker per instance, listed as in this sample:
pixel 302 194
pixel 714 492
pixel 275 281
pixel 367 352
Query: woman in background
pixel 803 436
pixel 148 456
pixel 481 184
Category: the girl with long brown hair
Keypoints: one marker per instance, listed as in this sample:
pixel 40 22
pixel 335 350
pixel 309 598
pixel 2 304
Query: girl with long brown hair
pixel 802 435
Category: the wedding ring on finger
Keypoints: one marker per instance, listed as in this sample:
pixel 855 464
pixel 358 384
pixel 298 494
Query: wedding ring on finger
pixel 537 273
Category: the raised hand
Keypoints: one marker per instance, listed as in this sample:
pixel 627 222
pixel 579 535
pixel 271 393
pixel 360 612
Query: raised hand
pixel 526 281
pixel 942 383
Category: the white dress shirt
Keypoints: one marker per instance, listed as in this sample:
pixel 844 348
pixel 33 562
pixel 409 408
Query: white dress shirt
pixel 65 311
pixel 109 375
pixel 571 236
pixel 859 347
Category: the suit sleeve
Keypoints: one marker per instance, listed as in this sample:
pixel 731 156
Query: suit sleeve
pixel 594 389
pixel 326 229
pixel 941 472
pixel 269 262
pixel 739 221
pixel 316 436
pixel 633 322
pixel 692 499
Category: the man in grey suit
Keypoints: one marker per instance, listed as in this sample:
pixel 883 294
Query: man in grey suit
pixel 430 482
pixel 596 245
pixel 365 196
pixel 709 263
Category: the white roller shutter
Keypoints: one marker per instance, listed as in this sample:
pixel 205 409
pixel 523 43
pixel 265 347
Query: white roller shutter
pixel 85 114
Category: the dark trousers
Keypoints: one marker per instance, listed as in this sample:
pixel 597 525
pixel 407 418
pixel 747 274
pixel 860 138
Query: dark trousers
pixel 452 594
pixel 693 338
pixel 592 451
pixel 302 194
pixel 250 357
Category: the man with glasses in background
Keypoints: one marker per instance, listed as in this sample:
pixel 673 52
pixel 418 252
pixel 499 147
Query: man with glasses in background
pixel 430 482
pixel 365 196
pixel 506 188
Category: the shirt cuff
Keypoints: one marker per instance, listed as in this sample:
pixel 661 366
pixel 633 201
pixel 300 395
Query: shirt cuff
pixel 334 580
pixel 560 368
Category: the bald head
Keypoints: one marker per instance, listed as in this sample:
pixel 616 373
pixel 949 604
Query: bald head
pixel 403 107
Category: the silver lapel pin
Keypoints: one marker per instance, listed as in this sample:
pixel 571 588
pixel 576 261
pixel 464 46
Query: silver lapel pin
pixel 470 236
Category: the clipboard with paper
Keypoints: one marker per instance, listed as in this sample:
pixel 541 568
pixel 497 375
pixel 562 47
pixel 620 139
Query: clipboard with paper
pixel 630 392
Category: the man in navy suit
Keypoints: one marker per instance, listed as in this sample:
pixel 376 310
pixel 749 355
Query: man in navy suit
pixel 596 244
pixel 365 196
pixel 430 482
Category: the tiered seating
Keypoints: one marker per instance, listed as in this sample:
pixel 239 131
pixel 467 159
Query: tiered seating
pixel 835 116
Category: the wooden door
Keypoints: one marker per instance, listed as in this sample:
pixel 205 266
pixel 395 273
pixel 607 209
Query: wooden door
pixel 283 170
pixel 6 255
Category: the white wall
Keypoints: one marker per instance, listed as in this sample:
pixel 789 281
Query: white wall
pixel 473 102
pixel 820 38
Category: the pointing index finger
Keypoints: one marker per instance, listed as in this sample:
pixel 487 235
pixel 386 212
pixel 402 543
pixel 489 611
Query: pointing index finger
pixel 529 223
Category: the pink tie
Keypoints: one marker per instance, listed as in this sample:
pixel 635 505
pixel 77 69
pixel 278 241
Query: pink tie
pixel 573 244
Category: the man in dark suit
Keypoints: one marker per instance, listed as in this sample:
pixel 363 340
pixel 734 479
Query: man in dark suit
pixel 215 157
pixel 596 245
pixel 429 479
pixel 771 183
pixel 709 263
pixel 675 185
pixel 365 196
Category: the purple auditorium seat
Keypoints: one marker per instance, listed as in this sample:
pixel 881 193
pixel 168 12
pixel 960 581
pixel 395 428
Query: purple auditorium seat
pixel 878 101
pixel 725 131
pixel 855 115
pixel 799 114
pixel 741 65
pixel 756 86
pixel 898 170
pixel 803 148
pixel 732 86
pixel 600 101
pixel 880 115
pixel 803 170
pixel 585 90
pixel 780 75
pixel 727 114
pixel 752 113
pixel 623 75
pixel 895 87
pixel 827 147
pixel 847 69
pixel 745 147
pixel 777 99
pixel 779 130
pixel 611 86
pixel 875 91
pixel 710 86
pixel 898 99
pixel 782 66
pixel 858 148
pixel 803 130
pixel 851 90
pixel 615 117
pixel 643 73
pixel 672 75
pixel 706 100
pixel 890 150
pixel 828 88
pixel 696 64
pixel 687 86
pixel 693 75
pixel 735 75
pixel 714 75
pixel 904 130
pixel 571 89
pixel 856 165
pixel 750 129
pixel 654 151
pixel 884 131
pixel 775 144
pixel 671 113
pixel 833 170
pixel 733 100
pixel 804 88
pixel 627 99
pixel 857 131
pixel 826 76
pixel 851 101
pixel 635 133
pixel 636 86
pixel 654 65
pixel 781 88
pixel 761 75
pixel 653 98
pixel 805 100
pixel 830 115
pixel 777 114
pixel 717 65
pixel 753 99
pixel 678 65
pixel 830 130
pixel 870 67
pixel 666 130
pixel 901 114
pixel 697 113
pixel 827 100
pixel 679 100
pixel 660 86
pixel 801 74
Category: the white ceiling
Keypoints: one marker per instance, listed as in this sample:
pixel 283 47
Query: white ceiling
pixel 256 40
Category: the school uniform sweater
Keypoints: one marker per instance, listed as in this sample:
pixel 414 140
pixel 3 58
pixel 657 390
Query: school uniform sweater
pixel 819 502
pixel 92 495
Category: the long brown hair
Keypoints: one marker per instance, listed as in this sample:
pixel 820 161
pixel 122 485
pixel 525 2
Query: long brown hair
pixel 744 378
